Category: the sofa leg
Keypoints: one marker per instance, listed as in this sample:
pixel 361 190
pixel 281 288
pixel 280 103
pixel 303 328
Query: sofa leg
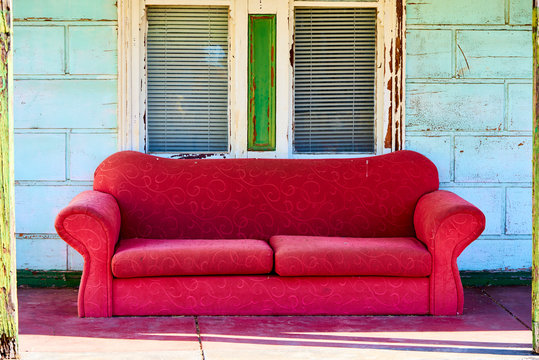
pixel 447 296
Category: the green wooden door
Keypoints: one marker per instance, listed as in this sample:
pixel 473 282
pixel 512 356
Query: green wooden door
pixel 261 113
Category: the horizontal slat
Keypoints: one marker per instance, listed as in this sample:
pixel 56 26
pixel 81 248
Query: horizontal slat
pixel 328 116
pixel 195 134
pixel 193 93
pixel 344 135
pixel 323 109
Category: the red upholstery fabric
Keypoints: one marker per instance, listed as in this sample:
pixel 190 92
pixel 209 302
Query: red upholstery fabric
pixel 91 224
pixel 446 223
pixel 150 257
pixel 270 295
pixel 258 198
pixel 337 256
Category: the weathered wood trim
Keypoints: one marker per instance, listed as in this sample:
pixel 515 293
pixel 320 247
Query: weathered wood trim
pixel 131 76
pixel 8 282
pixel 535 213
pixel 394 76
pixel 123 113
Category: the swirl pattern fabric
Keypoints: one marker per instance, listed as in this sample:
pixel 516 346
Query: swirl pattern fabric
pixel 335 256
pixel 354 236
pixel 91 224
pixel 151 257
pixel 258 198
pixel 270 295
pixel 447 223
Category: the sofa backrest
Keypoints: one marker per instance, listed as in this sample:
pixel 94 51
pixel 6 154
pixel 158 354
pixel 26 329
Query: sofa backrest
pixel 258 198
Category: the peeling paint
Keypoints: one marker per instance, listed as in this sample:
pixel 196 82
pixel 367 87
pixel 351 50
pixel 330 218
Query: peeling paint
pixel 389 132
pixel 196 156
pixel 399 70
pixel 32 236
pixel 292 47
pixel 394 55
pixel 394 82
pixel 51 19
pixel 35 18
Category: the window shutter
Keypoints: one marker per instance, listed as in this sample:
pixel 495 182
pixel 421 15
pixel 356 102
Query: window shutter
pixel 187 59
pixel 334 80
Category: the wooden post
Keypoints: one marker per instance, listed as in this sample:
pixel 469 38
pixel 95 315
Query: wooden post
pixel 8 289
pixel 535 215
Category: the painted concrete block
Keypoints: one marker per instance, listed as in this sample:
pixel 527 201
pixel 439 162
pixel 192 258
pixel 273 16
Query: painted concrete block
pixel 74 260
pixel 520 12
pixel 41 254
pixel 65 10
pixel 496 255
pixel 519 211
pixel 454 107
pixel 87 151
pixel 65 104
pixel 36 207
pixel 455 12
pixel 93 50
pixel 490 201
pixel 437 149
pixel 38 49
pixel 519 109
pixel 494 54
pixel 40 156
pixel 493 159
pixel 428 54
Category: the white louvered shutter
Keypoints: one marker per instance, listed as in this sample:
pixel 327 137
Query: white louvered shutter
pixel 334 80
pixel 187 60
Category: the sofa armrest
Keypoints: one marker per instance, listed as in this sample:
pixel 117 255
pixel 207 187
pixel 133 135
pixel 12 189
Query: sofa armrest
pixel 91 225
pixel 446 224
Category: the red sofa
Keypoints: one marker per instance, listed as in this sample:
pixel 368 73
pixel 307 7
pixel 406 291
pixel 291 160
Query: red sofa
pixel 265 237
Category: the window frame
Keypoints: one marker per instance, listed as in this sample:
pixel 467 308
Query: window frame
pixel 228 64
pixel 378 83
pixel 390 61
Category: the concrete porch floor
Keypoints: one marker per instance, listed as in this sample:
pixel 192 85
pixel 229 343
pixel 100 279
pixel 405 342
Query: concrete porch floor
pixel 496 325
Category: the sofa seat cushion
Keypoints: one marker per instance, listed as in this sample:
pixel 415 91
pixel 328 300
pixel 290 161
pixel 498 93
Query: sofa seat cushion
pixel 157 257
pixel 339 256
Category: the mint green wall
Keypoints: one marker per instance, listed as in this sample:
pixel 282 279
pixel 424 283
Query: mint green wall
pixel 65 100
pixel 468 97
pixel 468 108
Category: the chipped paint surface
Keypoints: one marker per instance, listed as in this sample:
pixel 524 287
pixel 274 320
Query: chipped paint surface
pixel 62 10
pixel 468 95
pixel 398 87
pixel 394 89
pixel 197 156
pixel 65 103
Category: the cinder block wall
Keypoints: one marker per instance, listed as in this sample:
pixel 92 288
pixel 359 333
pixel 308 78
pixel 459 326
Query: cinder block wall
pixel 468 108
pixel 65 100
